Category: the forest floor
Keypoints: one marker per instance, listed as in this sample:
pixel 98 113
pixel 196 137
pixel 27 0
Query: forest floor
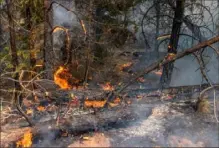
pixel 156 118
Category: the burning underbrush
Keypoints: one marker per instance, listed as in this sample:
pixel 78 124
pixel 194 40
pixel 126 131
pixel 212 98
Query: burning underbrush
pixel 140 114
pixel 76 117
pixel 64 79
pixel 26 141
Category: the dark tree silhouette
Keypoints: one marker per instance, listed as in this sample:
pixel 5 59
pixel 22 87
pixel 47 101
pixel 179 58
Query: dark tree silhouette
pixel 174 39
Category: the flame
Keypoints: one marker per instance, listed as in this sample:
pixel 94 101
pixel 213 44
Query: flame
pixel 123 66
pixel 26 141
pixel 107 87
pixel 29 112
pixel 94 103
pixel 62 77
pixel 41 108
pixel 59 29
pixel 115 102
pixel 170 56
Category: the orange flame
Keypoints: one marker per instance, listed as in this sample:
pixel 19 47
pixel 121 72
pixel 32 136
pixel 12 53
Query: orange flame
pixel 29 112
pixel 62 77
pixel 94 103
pixel 108 87
pixel 115 102
pixel 41 108
pixel 126 65
pixel 26 141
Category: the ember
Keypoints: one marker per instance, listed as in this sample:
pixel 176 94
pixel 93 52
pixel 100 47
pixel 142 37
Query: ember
pixel 62 77
pixel 115 102
pixel 127 65
pixel 108 87
pixel 41 108
pixel 29 112
pixel 26 141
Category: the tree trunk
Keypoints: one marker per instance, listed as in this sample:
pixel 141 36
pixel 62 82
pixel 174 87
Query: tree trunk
pixel 157 8
pixel 47 49
pixel 1 34
pixel 173 44
pixel 29 27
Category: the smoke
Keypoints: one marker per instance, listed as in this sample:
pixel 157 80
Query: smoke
pixel 62 17
pixel 187 72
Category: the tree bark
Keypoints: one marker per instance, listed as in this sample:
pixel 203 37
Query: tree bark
pixel 174 39
pixel 157 8
pixel 29 27
pixel 1 34
pixel 48 41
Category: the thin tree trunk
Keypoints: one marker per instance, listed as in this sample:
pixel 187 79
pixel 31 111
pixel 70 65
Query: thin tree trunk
pixel 47 49
pixel 89 45
pixel 30 41
pixel 17 97
pixel 29 27
pixel 174 39
pixel 1 34
pixel 157 8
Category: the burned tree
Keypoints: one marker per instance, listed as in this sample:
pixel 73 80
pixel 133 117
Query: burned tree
pixel 48 41
pixel 174 39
